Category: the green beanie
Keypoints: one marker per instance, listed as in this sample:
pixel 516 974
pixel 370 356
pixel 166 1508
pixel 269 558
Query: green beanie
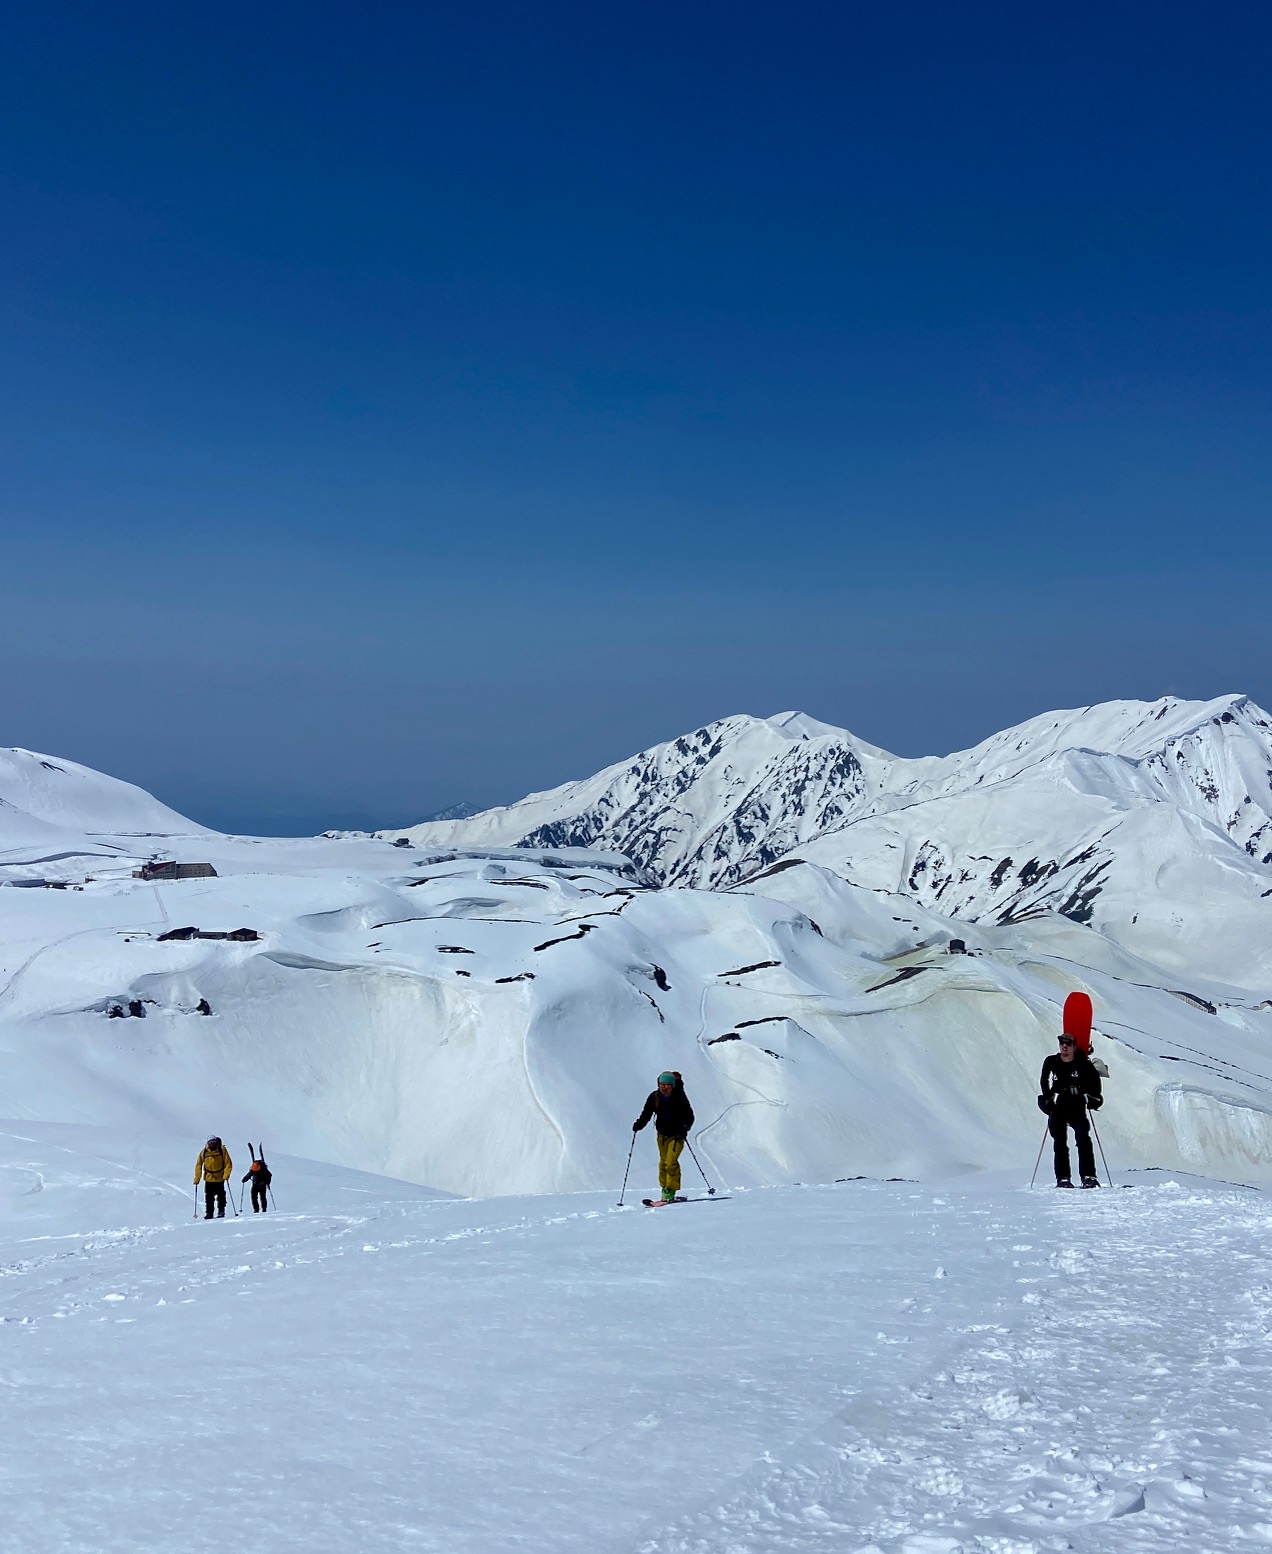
pixel 666 1079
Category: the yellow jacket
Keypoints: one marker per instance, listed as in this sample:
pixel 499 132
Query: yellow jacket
pixel 213 1165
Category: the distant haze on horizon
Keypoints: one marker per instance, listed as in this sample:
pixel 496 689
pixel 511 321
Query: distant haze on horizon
pixel 425 404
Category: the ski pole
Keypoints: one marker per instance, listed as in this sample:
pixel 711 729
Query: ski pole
pixel 273 1200
pixel 628 1167
pixel 1100 1142
pixel 196 1200
pixel 701 1172
pixel 230 1196
pixel 1041 1147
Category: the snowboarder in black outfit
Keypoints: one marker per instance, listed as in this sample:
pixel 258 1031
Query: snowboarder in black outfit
pixel 1070 1086
pixel 260 1176
pixel 674 1117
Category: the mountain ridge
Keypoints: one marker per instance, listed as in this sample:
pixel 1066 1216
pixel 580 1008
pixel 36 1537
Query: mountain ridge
pixel 816 778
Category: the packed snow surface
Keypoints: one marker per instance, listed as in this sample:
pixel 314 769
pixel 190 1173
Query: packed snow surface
pixel 971 1368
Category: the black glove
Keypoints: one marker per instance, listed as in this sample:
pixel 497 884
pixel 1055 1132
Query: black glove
pixel 635 1127
pixel 1044 1104
pixel 1095 1102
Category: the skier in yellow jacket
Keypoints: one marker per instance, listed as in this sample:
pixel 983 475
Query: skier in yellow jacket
pixel 214 1166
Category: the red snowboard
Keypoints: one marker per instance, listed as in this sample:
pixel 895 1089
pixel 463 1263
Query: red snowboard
pixel 1077 1019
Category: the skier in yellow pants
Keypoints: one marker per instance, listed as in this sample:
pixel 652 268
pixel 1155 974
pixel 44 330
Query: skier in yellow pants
pixel 669 1149
pixel 669 1105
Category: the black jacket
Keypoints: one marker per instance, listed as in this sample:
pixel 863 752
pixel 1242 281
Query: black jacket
pixel 673 1113
pixel 1069 1087
pixel 263 1177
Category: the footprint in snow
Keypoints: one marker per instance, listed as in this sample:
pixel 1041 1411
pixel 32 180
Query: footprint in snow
pixel 941 1480
pixel 1005 1404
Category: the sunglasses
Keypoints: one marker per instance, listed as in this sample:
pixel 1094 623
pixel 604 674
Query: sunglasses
pixel 1067 1041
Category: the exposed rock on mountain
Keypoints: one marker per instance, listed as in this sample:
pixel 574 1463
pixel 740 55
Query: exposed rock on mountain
pixel 702 810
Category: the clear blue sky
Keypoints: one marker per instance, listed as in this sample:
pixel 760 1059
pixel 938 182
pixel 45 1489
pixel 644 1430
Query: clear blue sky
pixel 411 403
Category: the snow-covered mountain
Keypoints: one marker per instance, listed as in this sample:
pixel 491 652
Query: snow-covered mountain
pixel 1152 821
pixel 47 800
pixel 702 810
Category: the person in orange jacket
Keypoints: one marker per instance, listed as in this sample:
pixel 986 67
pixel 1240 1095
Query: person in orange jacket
pixel 214 1167
pixel 260 1177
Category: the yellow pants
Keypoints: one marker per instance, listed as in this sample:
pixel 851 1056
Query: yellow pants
pixel 669 1162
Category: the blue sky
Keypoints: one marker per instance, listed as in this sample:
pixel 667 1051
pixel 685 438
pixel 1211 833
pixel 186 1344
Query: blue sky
pixel 403 404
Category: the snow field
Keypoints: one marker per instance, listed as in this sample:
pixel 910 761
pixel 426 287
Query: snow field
pixel 1112 1395
pixel 865 1365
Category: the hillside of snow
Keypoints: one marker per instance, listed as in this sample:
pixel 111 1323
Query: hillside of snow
pixel 489 1019
pixel 47 801
pixel 856 1368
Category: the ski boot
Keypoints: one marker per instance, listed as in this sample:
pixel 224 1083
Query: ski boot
pixel 1063 1181
pixel 1090 1181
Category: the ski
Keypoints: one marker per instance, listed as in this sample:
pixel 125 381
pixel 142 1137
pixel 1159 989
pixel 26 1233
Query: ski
pixel 664 1203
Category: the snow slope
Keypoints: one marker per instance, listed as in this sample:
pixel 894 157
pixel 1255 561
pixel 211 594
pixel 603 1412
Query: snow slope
pixel 491 1022
pixel 46 800
pixel 907 1369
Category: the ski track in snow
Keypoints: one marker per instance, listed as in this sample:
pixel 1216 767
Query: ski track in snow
pixel 899 1367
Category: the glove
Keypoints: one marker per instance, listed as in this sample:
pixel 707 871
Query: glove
pixel 1044 1104
pixel 635 1127
pixel 1095 1102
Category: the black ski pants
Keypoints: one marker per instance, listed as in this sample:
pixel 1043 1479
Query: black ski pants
pixel 260 1197
pixel 214 1197
pixel 1061 1121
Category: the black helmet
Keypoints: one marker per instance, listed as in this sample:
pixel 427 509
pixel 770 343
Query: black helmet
pixel 214 1143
